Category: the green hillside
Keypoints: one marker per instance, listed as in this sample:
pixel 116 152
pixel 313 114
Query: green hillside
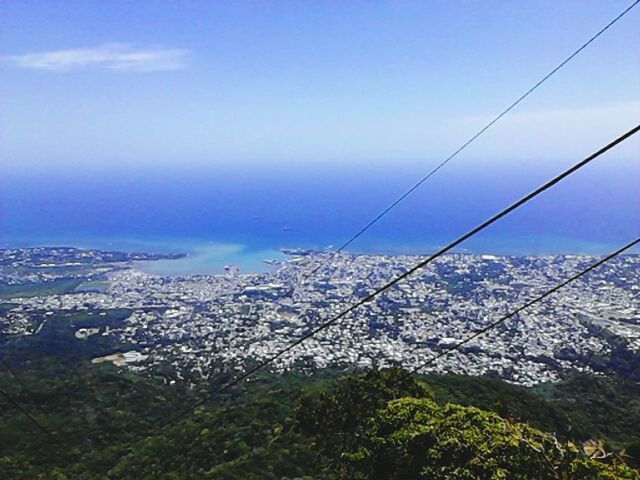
pixel 322 427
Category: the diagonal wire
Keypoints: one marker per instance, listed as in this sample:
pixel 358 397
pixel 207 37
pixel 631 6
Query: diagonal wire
pixel 435 170
pixel 25 390
pixel 418 266
pixel 527 305
pixel 22 410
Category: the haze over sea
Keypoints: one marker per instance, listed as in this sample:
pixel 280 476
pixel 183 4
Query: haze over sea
pixel 245 214
pixel 229 130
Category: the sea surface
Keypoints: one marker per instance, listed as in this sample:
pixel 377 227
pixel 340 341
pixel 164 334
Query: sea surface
pixel 244 216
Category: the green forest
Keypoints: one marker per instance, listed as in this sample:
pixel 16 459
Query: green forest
pixel 104 423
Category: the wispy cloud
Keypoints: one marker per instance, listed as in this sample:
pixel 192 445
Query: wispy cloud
pixel 561 132
pixel 109 56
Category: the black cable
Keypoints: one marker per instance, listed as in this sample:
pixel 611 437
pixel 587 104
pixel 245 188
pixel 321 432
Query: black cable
pixel 468 142
pixel 404 275
pixel 24 412
pixel 23 387
pixel 528 304
pixel 432 257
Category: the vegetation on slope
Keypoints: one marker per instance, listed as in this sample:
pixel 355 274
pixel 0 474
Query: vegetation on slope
pixel 52 287
pixel 417 438
pixel 386 424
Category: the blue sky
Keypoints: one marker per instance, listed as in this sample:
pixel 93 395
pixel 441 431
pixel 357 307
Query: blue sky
pixel 225 122
pixel 105 85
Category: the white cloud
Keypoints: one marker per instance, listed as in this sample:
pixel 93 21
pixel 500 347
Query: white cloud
pixel 110 56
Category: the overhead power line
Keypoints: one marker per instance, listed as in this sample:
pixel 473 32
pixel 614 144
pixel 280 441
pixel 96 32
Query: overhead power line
pixel 404 275
pixel 23 387
pixel 473 138
pixel 527 305
pixel 24 412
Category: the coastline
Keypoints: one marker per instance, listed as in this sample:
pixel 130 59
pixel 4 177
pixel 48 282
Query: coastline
pixel 202 256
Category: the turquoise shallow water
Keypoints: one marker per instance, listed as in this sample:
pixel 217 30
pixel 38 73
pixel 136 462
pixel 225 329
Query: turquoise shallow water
pixel 243 217
pixel 211 258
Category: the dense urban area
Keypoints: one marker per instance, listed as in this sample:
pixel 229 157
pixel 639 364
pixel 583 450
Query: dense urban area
pixel 204 324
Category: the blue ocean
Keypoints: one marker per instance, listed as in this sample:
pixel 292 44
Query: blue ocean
pixel 244 215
